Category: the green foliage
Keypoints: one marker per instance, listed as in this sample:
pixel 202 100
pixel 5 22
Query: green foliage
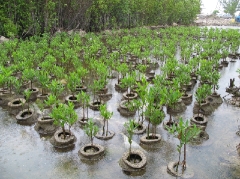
pixel 51 100
pixel 72 82
pixel 64 114
pixel 43 78
pixel 215 12
pixel 130 126
pixel 104 112
pixel 202 92
pixel 24 18
pixel 84 99
pixel 184 132
pixel 230 6
pixel 27 94
pixel 91 129
pixel 106 116
pixel 128 81
pixel 29 75
pixel 55 87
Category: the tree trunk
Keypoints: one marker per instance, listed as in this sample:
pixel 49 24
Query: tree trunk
pixel 107 128
pixel 184 160
pixel 103 133
pixel 83 112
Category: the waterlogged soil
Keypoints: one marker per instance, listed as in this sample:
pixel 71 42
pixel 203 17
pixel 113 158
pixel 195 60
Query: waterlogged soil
pixel 24 154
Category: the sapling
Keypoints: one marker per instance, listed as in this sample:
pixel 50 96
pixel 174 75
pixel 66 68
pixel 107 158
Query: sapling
pixel 122 71
pixel 184 132
pixel 91 129
pixel 142 90
pixel 51 101
pixel 64 114
pixel 96 86
pixel 142 70
pixel 17 86
pixel 214 77
pixel 130 126
pixel 156 117
pixel 29 75
pixel 106 116
pixel 72 82
pixel 55 87
pixel 27 94
pixel 202 92
pixel 171 97
pixel 81 73
pixel 137 104
pixel 129 82
pixel 43 78
pixel 84 99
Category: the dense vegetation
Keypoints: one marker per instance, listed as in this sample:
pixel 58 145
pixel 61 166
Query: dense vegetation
pixel 24 18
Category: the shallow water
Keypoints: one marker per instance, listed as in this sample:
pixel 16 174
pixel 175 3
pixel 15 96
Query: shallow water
pixel 24 154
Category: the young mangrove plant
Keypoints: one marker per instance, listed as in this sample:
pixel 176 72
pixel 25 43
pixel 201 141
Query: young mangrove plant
pixel 156 117
pixel 202 92
pixel 130 126
pixel 91 129
pixel 83 98
pixel 129 82
pixel 106 116
pixel 184 132
pixel 27 94
pixel 64 114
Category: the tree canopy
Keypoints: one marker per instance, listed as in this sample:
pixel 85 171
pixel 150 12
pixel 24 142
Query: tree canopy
pixel 230 6
pixel 34 17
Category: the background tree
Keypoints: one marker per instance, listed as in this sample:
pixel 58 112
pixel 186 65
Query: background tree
pixel 230 6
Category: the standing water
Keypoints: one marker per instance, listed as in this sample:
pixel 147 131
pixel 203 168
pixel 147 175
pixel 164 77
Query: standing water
pixel 25 154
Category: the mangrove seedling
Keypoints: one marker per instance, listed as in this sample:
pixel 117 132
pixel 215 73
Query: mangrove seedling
pixel 43 78
pixel 56 88
pixel 201 94
pixel 64 114
pixel 84 99
pixel 156 117
pixel 27 94
pixel 184 132
pixel 91 129
pixel 130 126
pixel 106 116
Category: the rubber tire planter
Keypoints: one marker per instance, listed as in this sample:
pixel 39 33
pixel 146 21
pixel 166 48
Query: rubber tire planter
pixel 195 120
pixel 124 111
pixel 26 117
pixel 34 93
pixel 15 105
pixel 45 125
pixel 95 105
pixel 104 137
pixel 150 141
pixel 43 96
pixel 81 88
pixel 73 99
pixel 132 96
pixel 171 170
pixel 119 88
pixel 187 99
pixel 139 154
pixel 5 98
pixel 95 155
pixel 60 143
pixel 141 130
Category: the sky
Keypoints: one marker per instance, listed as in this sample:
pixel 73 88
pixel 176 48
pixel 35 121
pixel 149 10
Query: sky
pixel 210 5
